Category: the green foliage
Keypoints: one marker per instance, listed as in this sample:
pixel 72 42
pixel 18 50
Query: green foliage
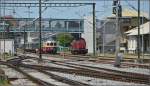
pixel 4 81
pixel 7 22
pixel 64 39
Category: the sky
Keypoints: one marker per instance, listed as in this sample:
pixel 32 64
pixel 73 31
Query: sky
pixel 103 9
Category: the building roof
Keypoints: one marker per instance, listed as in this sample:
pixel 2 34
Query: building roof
pixel 132 13
pixel 144 29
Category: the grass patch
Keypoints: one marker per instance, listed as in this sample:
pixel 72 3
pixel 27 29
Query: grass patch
pixel 5 56
pixel 4 83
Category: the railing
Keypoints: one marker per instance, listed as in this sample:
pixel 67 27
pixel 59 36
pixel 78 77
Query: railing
pixel 47 29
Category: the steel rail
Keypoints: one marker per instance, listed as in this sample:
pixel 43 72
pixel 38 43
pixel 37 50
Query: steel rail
pixel 129 77
pixel 34 80
pixel 92 73
pixel 98 72
pixel 69 0
pixel 54 76
pixel 117 71
pixel 135 77
pixel 99 60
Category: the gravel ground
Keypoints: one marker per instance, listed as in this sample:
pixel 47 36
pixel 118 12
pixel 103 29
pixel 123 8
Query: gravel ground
pixel 96 81
pixel 58 66
pixel 22 82
pixel 19 79
pixel 47 63
pixel 110 66
pixel 45 78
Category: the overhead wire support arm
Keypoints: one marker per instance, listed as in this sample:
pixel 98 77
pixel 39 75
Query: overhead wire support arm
pixel 45 4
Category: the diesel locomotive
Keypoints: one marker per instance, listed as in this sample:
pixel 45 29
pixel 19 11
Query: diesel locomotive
pixel 78 46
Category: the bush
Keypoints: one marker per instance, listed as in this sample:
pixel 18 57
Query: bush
pixel 64 39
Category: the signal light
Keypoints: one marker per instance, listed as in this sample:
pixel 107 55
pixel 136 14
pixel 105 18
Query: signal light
pixel 117 7
pixel 115 2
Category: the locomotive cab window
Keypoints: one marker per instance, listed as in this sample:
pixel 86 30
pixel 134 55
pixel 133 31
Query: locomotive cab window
pixel 48 44
pixel 55 44
pixel 51 44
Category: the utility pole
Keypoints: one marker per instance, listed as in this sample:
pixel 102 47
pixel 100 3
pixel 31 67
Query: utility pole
pixel 94 31
pixel 149 26
pixel 40 27
pixel 24 35
pixel 104 40
pixel 117 10
pixel 138 39
pixel 117 31
pixel 0 32
pixel 28 34
pixel 4 24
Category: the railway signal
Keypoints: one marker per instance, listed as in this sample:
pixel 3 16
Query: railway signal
pixel 115 2
pixel 117 8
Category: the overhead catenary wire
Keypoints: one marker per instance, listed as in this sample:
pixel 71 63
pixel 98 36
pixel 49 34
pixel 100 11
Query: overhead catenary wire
pixel 104 33
pixel 138 38
pixel 131 5
pixel 138 22
pixel 65 0
pixel 149 34
pixel 92 23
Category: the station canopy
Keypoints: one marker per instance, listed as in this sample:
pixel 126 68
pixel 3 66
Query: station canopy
pixel 144 29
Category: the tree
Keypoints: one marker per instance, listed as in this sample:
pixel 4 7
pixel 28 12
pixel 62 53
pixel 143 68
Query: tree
pixel 64 39
pixel 8 22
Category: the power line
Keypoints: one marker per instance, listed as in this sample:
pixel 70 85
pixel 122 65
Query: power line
pixel 131 5
pixel 44 4
pixel 68 0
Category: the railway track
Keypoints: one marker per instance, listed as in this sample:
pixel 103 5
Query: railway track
pixel 99 68
pixel 100 74
pixel 97 72
pixel 98 60
pixel 110 74
pixel 53 76
pixel 125 62
pixel 34 80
